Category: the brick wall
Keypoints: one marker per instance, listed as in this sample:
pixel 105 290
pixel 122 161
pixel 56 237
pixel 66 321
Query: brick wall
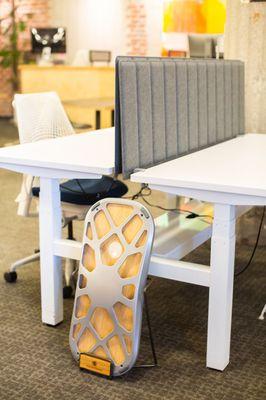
pixel 40 16
pixel 136 28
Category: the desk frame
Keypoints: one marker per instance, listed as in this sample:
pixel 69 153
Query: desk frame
pixel 218 276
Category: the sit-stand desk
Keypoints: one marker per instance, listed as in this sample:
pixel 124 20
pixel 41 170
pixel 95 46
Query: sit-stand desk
pixel 83 156
pixel 228 175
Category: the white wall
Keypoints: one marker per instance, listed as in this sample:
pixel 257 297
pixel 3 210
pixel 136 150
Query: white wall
pixel 91 24
pixel 101 24
pixel 154 10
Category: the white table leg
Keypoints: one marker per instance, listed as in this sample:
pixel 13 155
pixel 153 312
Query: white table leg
pixel 51 270
pixel 221 286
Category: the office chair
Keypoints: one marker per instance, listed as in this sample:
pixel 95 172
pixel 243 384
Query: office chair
pixel 41 116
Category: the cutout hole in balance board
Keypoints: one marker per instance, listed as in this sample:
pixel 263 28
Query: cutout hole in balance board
pixel 102 322
pixel 88 258
pixel 111 250
pixel 119 212
pixel 131 229
pixel 124 315
pixel 82 306
pixel 86 341
pixel 116 350
pixel 130 266
pixel 102 225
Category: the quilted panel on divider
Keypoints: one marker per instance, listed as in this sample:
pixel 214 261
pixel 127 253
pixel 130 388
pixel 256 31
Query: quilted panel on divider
pixel 166 108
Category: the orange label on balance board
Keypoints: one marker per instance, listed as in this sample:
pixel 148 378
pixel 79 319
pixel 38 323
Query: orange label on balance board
pixel 95 364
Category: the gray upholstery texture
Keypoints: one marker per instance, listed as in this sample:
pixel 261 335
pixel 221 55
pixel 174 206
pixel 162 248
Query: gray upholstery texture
pixel 166 108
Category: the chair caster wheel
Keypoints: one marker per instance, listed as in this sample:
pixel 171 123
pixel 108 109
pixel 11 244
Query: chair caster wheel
pixel 10 277
pixel 67 292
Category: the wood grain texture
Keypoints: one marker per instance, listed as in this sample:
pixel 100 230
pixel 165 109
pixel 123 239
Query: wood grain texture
pixel 94 364
pixel 72 84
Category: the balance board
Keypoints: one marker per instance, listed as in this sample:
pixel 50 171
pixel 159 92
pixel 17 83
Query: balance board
pixel 106 321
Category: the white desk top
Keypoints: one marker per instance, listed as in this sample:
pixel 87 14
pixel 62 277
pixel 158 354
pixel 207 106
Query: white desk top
pixel 91 152
pixel 237 166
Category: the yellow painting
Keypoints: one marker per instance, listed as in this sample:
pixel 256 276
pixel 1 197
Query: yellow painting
pixel 194 16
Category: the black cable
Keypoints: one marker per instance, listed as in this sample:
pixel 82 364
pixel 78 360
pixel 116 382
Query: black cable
pixel 146 306
pixel 150 329
pixel 140 193
pixel 240 271
pixel 191 214
pixel 178 210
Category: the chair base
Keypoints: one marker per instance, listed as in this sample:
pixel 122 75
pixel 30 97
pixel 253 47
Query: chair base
pixel 10 276
pixel 24 261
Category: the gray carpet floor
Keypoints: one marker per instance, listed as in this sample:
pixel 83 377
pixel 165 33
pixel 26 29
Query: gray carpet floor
pixel 35 360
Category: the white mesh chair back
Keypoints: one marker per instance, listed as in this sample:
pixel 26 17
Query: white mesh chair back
pixel 41 116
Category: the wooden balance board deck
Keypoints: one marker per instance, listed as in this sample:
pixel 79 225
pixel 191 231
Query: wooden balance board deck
pixel 107 314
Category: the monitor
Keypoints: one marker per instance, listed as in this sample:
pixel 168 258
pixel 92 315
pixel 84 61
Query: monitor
pixel 100 56
pixel 202 45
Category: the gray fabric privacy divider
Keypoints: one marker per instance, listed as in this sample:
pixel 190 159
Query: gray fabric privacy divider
pixel 167 107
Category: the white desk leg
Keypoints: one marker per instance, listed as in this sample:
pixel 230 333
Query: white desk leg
pixel 221 286
pixel 51 271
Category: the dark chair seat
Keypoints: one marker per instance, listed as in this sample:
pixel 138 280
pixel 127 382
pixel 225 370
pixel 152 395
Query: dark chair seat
pixel 88 191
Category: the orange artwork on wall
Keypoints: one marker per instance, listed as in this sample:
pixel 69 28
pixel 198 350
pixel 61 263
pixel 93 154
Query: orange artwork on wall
pixel 194 16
